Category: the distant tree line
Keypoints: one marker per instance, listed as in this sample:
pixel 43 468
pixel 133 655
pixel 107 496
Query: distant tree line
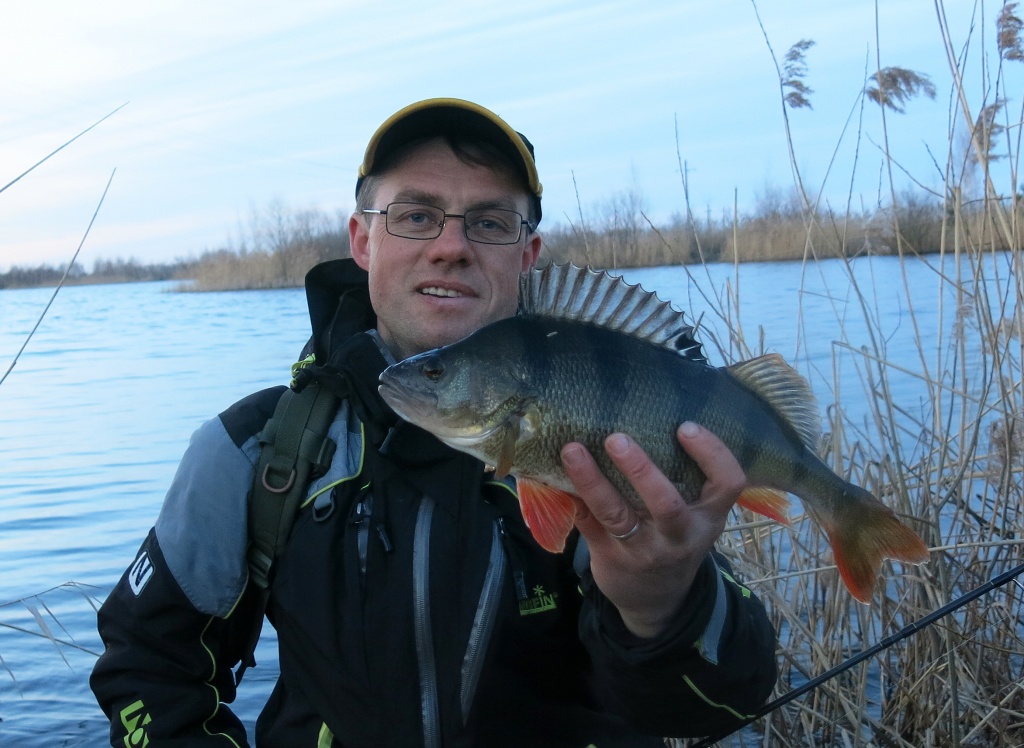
pixel 104 271
pixel 781 226
pixel 278 246
pixel 275 250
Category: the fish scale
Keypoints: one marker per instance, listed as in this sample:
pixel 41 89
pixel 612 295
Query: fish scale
pixel 589 355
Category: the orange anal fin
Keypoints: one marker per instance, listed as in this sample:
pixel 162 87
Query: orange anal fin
pixel 770 502
pixel 861 544
pixel 549 513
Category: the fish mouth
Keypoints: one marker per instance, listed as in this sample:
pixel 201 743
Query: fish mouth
pixel 402 401
pixel 420 408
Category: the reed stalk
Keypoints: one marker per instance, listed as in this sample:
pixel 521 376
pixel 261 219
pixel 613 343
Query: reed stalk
pixel 953 468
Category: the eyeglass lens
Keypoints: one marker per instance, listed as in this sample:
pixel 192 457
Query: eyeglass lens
pixel 484 225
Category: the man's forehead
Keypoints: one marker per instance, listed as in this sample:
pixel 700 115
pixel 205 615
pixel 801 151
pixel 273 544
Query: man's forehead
pixel 423 176
pixel 441 198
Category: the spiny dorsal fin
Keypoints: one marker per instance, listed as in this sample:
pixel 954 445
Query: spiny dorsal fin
pixel 595 296
pixel 786 391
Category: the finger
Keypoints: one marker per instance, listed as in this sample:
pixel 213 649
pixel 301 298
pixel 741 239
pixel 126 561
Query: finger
pixel 606 510
pixel 657 491
pixel 725 478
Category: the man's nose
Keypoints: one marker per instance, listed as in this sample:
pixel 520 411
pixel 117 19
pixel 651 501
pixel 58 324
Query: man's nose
pixel 452 240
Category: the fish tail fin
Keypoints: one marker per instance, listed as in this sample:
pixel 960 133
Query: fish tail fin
pixel 549 513
pixel 863 534
pixel 770 502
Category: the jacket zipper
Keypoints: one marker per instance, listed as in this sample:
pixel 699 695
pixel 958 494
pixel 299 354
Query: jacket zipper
pixel 422 627
pixel 518 576
pixel 483 621
pixel 362 518
pixel 361 515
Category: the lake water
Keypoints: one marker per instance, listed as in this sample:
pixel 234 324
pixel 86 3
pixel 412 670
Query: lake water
pixel 101 404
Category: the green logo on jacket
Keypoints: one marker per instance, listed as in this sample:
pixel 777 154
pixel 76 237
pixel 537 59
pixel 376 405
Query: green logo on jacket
pixel 135 721
pixel 539 603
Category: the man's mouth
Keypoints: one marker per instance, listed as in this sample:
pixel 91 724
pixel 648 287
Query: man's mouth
pixel 449 293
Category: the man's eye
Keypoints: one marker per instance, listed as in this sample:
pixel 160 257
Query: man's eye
pixel 491 223
pixel 414 217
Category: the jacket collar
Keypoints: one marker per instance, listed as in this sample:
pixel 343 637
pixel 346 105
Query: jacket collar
pixel 338 297
pixel 346 343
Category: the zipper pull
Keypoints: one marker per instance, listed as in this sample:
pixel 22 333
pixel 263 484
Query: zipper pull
pixel 385 446
pixel 360 512
pixel 518 576
pixel 385 541
pixel 360 518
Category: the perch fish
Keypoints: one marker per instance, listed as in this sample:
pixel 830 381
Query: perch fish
pixel 588 355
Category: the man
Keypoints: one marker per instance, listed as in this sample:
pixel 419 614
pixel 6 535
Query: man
pixel 412 606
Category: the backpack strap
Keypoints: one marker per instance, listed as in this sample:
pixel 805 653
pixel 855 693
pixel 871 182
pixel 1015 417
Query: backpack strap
pixel 294 450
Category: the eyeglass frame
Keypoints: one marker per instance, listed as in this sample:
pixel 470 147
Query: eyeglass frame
pixel 444 216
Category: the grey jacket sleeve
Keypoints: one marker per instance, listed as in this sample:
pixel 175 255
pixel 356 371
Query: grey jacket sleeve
pixel 176 622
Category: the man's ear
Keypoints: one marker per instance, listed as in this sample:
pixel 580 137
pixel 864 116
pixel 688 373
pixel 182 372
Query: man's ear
pixel 359 240
pixel 532 251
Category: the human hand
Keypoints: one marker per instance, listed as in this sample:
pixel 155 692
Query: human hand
pixel 648 574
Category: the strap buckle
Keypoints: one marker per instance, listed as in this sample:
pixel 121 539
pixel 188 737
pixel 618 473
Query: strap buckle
pixel 266 484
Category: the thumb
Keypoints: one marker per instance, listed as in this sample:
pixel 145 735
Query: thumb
pixel 724 478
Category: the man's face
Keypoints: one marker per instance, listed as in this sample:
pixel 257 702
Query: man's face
pixel 429 293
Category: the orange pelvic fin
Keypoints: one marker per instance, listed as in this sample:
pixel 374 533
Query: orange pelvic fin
pixel 770 502
pixel 865 534
pixel 549 513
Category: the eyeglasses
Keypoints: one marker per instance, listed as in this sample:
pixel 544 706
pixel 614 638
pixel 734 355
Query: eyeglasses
pixel 482 225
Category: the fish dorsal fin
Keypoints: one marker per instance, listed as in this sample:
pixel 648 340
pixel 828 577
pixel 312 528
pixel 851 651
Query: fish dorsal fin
pixel 786 391
pixel 583 294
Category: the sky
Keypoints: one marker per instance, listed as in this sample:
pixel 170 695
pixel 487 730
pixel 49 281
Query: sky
pixel 236 106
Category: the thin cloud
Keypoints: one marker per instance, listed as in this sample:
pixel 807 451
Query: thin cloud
pixel 238 103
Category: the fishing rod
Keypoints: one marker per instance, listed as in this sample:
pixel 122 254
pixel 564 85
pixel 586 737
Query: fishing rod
pixel 53 153
pixel 905 632
pixel 67 270
pixel 60 283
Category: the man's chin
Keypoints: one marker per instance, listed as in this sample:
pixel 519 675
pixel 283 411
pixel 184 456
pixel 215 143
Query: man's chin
pixel 449 335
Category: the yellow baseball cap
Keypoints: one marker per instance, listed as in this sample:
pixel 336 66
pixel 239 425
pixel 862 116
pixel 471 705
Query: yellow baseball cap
pixel 458 117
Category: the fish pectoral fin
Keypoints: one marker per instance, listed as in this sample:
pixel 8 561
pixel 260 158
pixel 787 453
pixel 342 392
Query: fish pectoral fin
pixel 507 456
pixel 549 513
pixel 530 423
pixel 521 428
pixel 770 502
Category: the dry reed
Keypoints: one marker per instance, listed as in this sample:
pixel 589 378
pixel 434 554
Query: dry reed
pixel 953 468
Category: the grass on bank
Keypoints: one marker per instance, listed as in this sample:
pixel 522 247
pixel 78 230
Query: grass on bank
pixel 952 467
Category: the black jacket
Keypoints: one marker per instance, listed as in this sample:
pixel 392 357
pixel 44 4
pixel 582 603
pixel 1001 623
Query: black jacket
pixel 412 605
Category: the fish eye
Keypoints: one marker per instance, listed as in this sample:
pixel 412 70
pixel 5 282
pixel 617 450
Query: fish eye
pixel 432 368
